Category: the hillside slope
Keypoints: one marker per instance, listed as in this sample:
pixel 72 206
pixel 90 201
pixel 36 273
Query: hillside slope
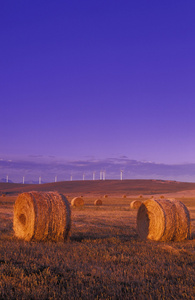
pixel 128 187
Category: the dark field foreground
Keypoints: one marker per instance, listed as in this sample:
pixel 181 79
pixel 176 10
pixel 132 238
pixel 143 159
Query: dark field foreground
pixel 104 259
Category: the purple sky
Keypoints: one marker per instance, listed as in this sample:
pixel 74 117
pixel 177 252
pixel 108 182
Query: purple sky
pixel 98 79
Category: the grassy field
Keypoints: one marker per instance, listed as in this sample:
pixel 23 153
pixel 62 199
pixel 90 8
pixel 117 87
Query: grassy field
pixel 104 258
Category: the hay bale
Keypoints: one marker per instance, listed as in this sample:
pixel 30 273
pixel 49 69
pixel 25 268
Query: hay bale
pixel 135 204
pixel 42 216
pixel 77 201
pixel 156 220
pixel 183 225
pixel 161 220
pixel 124 196
pixel 98 202
pixel 106 196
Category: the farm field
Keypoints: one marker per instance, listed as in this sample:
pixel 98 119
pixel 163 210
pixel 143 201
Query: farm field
pixel 104 257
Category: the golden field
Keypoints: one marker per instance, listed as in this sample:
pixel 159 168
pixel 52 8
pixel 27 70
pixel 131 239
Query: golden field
pixel 104 258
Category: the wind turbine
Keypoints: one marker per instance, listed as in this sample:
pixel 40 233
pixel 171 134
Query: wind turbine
pixel 23 180
pixel 55 178
pixel 104 175
pixel 93 175
pixel 83 176
pixel 7 178
pixel 39 179
pixel 121 174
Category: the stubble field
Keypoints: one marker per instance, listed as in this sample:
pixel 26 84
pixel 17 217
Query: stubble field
pixel 104 258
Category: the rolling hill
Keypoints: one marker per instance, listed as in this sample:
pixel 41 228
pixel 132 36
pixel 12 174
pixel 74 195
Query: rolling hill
pixel 89 187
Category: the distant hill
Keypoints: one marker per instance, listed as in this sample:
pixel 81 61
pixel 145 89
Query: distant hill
pixel 32 182
pixel 89 187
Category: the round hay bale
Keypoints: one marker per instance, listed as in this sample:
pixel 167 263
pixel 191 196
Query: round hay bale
pixel 42 216
pixel 98 202
pixel 124 196
pixel 106 196
pixel 156 220
pixel 140 196
pixel 135 204
pixel 183 225
pixel 77 201
pixel 161 220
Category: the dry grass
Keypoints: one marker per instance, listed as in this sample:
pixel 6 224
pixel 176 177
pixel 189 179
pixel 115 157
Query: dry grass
pixel 41 216
pixel 105 258
pixel 183 224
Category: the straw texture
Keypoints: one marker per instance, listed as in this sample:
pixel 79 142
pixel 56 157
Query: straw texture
pixel 98 202
pixel 77 201
pixel 183 224
pixel 163 220
pixel 42 216
pixel 135 204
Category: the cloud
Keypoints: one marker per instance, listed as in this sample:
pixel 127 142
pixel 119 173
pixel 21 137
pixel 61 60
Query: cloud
pixel 132 169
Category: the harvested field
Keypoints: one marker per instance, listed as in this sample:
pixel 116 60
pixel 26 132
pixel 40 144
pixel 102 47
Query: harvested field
pixel 105 258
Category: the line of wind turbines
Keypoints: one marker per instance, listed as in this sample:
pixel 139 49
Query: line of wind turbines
pixel 102 177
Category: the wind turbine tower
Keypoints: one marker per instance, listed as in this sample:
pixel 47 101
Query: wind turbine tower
pixel 7 178
pixel 93 175
pixel 23 180
pixel 39 179
pixel 56 178
pixel 121 174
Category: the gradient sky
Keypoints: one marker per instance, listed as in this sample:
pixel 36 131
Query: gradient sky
pixel 98 79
